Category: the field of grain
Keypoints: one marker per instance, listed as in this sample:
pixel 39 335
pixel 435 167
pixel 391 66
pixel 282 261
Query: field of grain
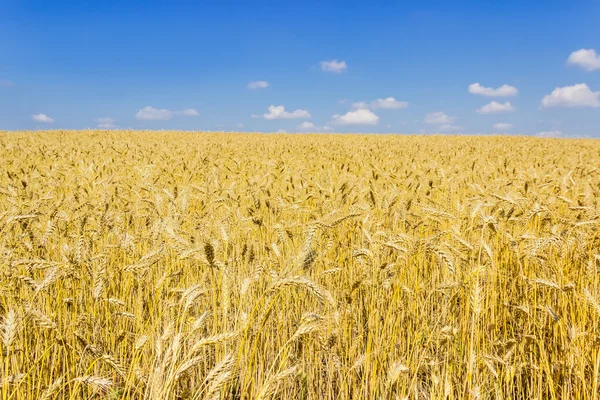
pixel 166 265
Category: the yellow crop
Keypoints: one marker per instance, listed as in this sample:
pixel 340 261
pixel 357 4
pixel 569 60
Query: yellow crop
pixel 171 265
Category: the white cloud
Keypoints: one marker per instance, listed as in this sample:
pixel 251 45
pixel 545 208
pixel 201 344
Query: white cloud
pixel 149 113
pixel 106 123
pixel 42 118
pixel 502 91
pixel 258 85
pixel 389 102
pixel 549 134
pixel 4 83
pixel 310 127
pixel 334 66
pixel 495 107
pixel 361 116
pixel 579 95
pixel 587 59
pixel 501 126
pixel 306 126
pixel 188 112
pixel 439 118
pixel 278 112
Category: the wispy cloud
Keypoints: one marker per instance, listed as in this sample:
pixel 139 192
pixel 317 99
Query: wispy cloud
pixel 258 85
pixel 549 134
pixel 230 126
pixel 494 107
pixel 106 123
pixel 188 112
pixel 310 127
pixel 360 105
pixel 150 113
pixel 42 118
pixel 439 118
pixel 444 121
pixel 450 127
pixel 389 103
pixel 334 66
pixel 5 83
pixel 502 126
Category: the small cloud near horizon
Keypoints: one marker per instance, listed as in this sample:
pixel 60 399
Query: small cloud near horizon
pixel 42 118
pixel 278 112
pixel 106 123
pixel 150 113
pixel 361 116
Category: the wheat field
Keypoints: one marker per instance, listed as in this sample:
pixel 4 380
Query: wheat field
pixel 173 265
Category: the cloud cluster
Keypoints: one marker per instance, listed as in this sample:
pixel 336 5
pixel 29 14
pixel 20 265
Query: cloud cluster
pixel 362 113
pixel 502 91
pixel 150 113
pixel 278 112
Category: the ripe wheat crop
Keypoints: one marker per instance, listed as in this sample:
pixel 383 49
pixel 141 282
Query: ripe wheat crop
pixel 169 265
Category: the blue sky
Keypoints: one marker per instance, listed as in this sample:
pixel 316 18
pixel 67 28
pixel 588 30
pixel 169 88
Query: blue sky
pixel 401 67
